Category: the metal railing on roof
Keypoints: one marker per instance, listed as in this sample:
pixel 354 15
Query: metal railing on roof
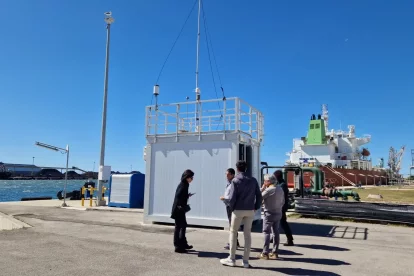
pixel 213 116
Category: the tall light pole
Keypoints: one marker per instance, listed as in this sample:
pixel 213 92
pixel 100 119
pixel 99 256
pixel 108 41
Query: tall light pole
pixel 67 164
pixel 109 20
pixel 33 165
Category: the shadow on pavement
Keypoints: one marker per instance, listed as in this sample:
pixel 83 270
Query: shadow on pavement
pixel 322 230
pixel 297 271
pixel 284 270
pixel 322 247
pixel 218 255
pixel 318 261
pixel 282 252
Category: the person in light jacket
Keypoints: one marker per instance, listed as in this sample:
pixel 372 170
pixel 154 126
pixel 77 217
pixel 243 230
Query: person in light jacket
pixel 230 173
pixel 274 200
pixel 179 210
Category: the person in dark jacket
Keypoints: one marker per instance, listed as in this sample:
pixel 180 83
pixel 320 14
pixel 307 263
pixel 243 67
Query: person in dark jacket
pixel 283 222
pixel 179 210
pixel 245 199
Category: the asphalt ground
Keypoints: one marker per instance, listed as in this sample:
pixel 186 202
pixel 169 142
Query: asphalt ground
pixel 78 242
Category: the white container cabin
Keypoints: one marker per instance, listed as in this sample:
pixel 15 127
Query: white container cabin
pixel 208 137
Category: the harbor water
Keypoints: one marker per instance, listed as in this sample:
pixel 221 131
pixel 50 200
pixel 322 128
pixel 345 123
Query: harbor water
pixel 15 190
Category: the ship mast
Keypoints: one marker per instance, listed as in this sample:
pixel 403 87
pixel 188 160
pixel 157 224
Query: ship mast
pixel 325 116
pixel 197 89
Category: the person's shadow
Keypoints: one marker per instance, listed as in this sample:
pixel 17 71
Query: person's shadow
pixel 322 247
pixel 297 271
pixel 284 270
pixel 281 252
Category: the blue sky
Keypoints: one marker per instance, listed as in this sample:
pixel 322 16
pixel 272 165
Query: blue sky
pixel 284 57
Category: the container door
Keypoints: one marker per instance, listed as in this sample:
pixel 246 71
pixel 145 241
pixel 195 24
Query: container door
pixel 242 152
pixel 249 160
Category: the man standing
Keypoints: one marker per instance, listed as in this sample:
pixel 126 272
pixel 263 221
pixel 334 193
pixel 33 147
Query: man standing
pixel 274 200
pixel 230 173
pixel 283 222
pixel 245 198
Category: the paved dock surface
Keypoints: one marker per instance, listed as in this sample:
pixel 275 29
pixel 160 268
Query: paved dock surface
pixel 78 242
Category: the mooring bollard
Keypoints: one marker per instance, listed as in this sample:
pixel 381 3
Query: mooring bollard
pixel 92 189
pixel 103 192
pixel 83 196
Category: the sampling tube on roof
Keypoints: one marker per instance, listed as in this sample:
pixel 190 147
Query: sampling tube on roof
pixel 156 93
pixel 156 90
pixel 197 91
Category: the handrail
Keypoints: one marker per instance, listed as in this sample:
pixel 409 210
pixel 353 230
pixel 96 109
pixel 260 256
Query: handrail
pixel 340 175
pixel 234 115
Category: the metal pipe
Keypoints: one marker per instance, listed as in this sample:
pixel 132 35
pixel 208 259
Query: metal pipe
pixel 337 193
pixel 193 102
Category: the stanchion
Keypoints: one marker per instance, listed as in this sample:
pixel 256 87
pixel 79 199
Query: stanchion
pixel 103 192
pixel 83 196
pixel 92 189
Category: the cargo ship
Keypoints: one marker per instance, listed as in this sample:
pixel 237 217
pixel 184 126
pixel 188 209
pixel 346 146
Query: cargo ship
pixel 337 153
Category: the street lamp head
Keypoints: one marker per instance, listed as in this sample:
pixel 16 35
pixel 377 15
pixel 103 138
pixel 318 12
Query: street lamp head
pixel 43 145
pixel 46 146
pixel 108 18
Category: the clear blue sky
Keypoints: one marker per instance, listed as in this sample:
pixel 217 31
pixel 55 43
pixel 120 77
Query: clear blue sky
pixel 284 57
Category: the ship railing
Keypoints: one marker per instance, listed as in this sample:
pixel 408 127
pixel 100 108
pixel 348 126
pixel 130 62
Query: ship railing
pixel 340 175
pixel 342 163
pixel 204 117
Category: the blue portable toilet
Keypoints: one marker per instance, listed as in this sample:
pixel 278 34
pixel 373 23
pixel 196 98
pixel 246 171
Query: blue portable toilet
pixel 126 190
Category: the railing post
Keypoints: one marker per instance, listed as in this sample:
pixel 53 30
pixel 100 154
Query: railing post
pixel 178 122
pixel 237 114
pixel 200 120
pixel 165 126
pixel 147 121
pixel 250 121
pixel 156 125
pixel 260 127
pixel 224 118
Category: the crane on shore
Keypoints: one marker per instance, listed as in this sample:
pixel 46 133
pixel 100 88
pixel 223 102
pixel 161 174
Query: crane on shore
pixel 395 161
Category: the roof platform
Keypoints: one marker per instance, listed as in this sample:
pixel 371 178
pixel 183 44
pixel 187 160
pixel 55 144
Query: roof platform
pixel 204 117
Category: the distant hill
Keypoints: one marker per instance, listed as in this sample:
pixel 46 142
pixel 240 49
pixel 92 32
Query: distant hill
pixel 49 173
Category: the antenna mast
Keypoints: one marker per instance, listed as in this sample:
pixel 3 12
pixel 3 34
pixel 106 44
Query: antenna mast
pixel 325 116
pixel 197 89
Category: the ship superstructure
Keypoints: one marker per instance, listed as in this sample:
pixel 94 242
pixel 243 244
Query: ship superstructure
pixel 338 149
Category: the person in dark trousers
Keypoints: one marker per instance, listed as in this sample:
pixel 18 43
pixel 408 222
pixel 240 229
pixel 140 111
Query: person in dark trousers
pixel 283 222
pixel 230 173
pixel 179 210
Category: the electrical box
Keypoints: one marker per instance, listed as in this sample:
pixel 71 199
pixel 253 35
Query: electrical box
pixel 104 173
pixel 127 190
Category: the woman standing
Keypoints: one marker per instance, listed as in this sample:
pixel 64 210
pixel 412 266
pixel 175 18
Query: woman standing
pixel 179 209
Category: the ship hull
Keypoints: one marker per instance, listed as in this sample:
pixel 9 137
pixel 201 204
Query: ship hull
pixel 364 177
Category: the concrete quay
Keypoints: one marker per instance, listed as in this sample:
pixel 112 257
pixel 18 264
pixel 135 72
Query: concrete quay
pixel 76 241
